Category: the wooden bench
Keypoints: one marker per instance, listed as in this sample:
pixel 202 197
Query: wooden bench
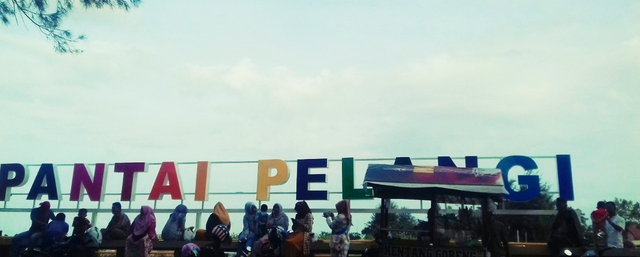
pixel 115 248
pixel 319 247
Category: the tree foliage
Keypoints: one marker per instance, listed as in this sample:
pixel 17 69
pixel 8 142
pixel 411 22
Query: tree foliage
pixel 530 227
pixel 628 209
pixel 48 18
pixel 401 220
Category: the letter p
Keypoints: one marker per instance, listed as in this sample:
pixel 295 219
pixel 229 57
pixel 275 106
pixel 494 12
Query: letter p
pixel 17 181
pixel 265 181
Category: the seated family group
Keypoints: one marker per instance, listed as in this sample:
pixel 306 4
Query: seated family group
pixel 263 233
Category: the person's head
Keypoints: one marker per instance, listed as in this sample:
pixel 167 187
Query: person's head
pixel 45 206
pixel 61 216
pixel 146 210
pixel 342 206
pixel 601 205
pixel 116 208
pixel 190 250
pixel 302 208
pixel 488 217
pixel 250 208
pixel 219 208
pixel 82 213
pixel 276 209
pixel 264 208
pixel 611 208
pixel 561 204
pixel 181 208
pixel 628 245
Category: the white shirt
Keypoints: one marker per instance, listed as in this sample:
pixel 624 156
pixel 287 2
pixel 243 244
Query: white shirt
pixel 614 237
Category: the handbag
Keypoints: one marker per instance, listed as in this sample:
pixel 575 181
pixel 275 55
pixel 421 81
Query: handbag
pixel 189 235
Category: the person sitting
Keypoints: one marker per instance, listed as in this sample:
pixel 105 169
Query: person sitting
pixel 175 227
pixel 118 227
pixel 220 216
pixel 83 244
pixel 80 223
pixel 219 236
pixel 261 221
pixel 56 231
pixel 190 250
pixel 39 220
pixel 143 228
pixel 278 218
pixel 297 244
pixel 246 237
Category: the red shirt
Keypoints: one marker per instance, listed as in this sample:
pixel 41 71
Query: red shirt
pixel 599 215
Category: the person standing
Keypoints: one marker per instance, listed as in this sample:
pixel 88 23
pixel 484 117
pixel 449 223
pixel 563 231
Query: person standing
pixel 297 244
pixel 40 218
pixel 494 236
pixel 598 219
pixel 565 229
pixel 614 226
pixel 143 228
pixel 118 227
pixel 340 225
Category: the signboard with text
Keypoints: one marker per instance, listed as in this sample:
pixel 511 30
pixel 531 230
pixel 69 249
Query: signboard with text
pixel 91 181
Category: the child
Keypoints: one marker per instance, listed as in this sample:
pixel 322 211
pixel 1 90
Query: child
pixel 599 215
pixel 261 221
pixel 80 223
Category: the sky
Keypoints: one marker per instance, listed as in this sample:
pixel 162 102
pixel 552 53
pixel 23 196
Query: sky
pixel 252 80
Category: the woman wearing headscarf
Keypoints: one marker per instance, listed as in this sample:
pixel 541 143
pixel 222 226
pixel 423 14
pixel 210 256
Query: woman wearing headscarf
pixel 340 225
pixel 174 229
pixel 247 235
pixel 219 216
pixel 190 250
pixel 278 218
pixel 143 228
pixel 298 243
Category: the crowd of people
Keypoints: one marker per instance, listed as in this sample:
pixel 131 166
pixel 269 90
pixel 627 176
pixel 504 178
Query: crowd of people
pixel 263 233
pixel 610 230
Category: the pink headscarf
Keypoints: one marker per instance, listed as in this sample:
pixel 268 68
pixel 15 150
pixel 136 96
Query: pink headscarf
pixel 145 220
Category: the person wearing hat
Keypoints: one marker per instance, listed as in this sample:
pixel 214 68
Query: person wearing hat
pixel 40 218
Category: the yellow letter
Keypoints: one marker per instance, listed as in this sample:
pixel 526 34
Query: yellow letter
pixel 265 181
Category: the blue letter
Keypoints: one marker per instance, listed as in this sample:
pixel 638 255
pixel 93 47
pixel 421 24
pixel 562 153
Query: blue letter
pixel 531 181
pixel 469 161
pixel 45 183
pixel 304 178
pixel 6 184
pixel 565 179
